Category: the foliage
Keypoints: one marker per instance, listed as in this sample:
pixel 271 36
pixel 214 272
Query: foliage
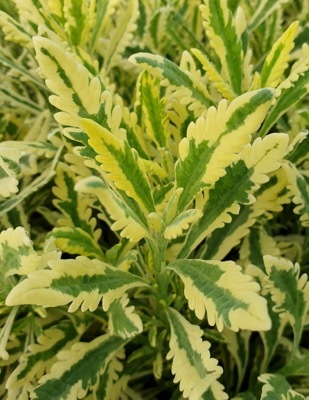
pixel 154 199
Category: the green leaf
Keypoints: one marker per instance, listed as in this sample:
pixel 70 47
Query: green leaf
pixel 76 241
pixel 290 293
pixel 81 282
pixel 276 387
pixel 224 293
pixel 277 60
pixel 188 88
pixel 75 373
pixel 238 346
pixel 121 163
pixel 225 41
pixel 42 355
pixel 213 142
pixel 192 365
pixel 123 321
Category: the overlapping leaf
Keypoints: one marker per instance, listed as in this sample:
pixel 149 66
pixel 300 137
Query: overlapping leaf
pixel 188 89
pixel 132 225
pixel 81 282
pixel 75 372
pixel 42 355
pixel 290 293
pixel 222 292
pixel 213 142
pixel 225 42
pixel 236 187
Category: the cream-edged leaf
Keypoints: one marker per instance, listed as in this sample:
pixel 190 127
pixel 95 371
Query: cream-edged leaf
pixel 277 60
pixel 225 41
pixel 236 187
pixel 213 142
pixel 70 81
pixel 17 255
pixel 122 34
pixel 74 208
pixel 299 187
pixel 116 212
pixel 75 240
pixel 82 282
pixel 181 223
pixel 42 355
pixel 121 163
pixel 290 293
pixel 75 372
pixel 276 387
pixel 187 88
pixel 221 291
pixel 192 365
pixel 263 10
pixel 123 321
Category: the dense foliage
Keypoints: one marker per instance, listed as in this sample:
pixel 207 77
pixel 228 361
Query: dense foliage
pixel 154 199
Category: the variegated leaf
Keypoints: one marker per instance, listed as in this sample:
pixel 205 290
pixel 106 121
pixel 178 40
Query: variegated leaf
pixel 181 223
pixel 276 387
pixel 289 93
pixel 277 60
pixel 81 282
pixel 220 290
pixel 75 372
pixel 42 355
pixel 123 321
pixel 121 163
pixel 265 9
pixel 192 365
pixel 299 187
pixel 225 42
pixel 17 255
pixel 75 240
pixel 14 31
pixel 79 16
pixel 70 81
pixel 75 210
pixel 290 293
pixel 188 89
pixel 37 183
pixel 298 151
pixel 213 142
pixel 9 171
pixel 214 76
pixel 236 187
pixel 153 112
pixel 132 226
pixel 121 36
